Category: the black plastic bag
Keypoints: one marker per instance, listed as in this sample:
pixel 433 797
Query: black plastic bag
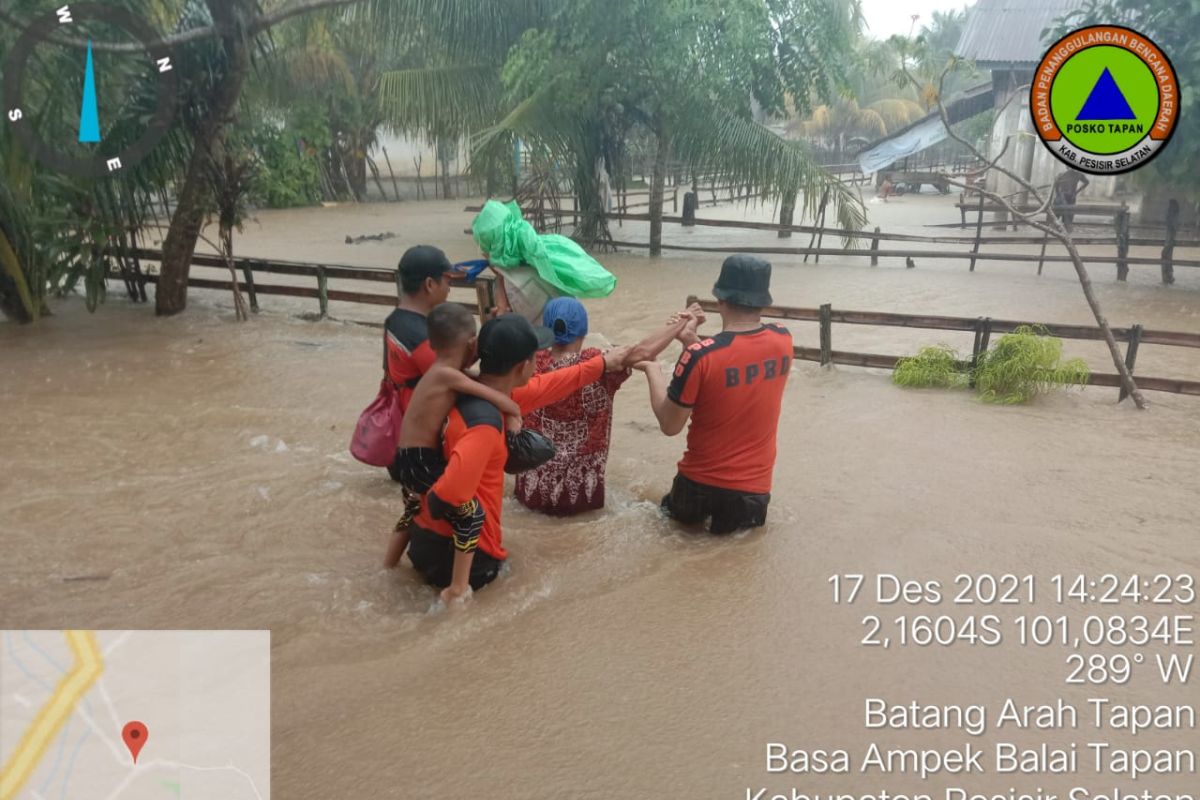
pixel 527 449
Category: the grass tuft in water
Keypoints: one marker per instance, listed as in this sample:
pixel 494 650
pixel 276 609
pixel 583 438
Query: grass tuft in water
pixel 1024 364
pixel 936 367
pixel 1020 366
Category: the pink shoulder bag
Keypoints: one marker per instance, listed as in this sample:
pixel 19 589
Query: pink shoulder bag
pixel 378 428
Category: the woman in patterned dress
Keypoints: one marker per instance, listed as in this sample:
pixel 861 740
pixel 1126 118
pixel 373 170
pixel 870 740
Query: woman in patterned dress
pixel 581 424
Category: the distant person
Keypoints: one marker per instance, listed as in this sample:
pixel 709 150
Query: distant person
pixel 476 453
pixel 424 273
pixel 886 189
pixel 1067 187
pixel 580 424
pixel 419 459
pixel 731 387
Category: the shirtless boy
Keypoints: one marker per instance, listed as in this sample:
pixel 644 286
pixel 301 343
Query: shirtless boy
pixel 452 337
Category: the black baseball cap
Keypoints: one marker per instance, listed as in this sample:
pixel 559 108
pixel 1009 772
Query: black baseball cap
pixel 421 262
pixel 508 340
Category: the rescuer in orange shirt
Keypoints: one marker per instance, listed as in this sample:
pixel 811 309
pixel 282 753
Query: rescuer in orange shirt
pixel 730 385
pixel 476 451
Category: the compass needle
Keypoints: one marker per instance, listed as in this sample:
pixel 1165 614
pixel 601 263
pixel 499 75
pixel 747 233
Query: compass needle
pixel 136 90
pixel 89 115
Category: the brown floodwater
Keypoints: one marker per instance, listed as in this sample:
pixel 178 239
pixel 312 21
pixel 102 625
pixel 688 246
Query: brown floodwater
pixel 192 472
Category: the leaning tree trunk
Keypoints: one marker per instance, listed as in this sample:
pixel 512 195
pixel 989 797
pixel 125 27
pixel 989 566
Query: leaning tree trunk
pixel 656 190
pixel 1086 282
pixel 188 219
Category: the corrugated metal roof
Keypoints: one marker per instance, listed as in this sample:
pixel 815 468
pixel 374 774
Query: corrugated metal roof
pixel 1010 31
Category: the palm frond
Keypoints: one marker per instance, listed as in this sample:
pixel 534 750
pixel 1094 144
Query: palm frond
pixel 445 99
pixel 471 30
pixel 743 152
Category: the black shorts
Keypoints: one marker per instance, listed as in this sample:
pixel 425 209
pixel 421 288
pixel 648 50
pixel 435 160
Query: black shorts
pixel 691 503
pixel 433 557
pixel 418 468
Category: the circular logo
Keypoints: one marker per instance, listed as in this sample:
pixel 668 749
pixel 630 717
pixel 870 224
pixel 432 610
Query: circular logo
pixel 1104 99
pixel 97 146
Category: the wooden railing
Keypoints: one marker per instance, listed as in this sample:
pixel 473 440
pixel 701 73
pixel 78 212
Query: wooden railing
pixel 983 328
pixel 1121 244
pixel 484 286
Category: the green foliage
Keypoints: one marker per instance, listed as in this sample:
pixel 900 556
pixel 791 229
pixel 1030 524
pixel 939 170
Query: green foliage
pixel 1018 367
pixel 687 73
pixel 1024 364
pixel 936 367
pixel 286 174
pixel 316 88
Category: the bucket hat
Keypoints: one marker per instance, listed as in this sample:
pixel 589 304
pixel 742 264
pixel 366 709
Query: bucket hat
pixel 744 281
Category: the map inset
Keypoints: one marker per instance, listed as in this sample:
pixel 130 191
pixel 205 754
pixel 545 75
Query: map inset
pixel 135 715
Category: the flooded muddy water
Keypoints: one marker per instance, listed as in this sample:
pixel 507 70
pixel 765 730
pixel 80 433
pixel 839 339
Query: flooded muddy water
pixel 192 473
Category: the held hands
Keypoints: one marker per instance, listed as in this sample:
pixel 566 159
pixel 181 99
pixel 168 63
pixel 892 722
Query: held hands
pixel 614 358
pixel 512 423
pixel 647 366
pixel 692 318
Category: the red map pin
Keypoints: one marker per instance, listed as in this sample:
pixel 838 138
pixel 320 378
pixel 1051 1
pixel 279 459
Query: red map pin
pixel 135 736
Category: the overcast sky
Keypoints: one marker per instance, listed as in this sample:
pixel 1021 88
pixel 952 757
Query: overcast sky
pixel 887 17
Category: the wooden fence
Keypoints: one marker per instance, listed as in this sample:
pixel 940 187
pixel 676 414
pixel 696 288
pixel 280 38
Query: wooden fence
pixel 825 315
pixel 484 286
pixel 983 328
pixel 1120 243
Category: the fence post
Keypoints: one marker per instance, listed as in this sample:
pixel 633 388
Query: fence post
pixel 975 351
pixel 1168 251
pixel 1135 339
pixel 821 234
pixel 690 201
pixel 826 334
pixel 323 291
pixel 1122 223
pixel 249 275
pixel 875 248
pixel 983 334
pixel 1042 255
pixel 978 234
pixel 987 335
pixel 820 220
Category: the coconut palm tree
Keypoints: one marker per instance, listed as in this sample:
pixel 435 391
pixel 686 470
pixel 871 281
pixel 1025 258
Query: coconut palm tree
pixel 579 77
pixel 573 77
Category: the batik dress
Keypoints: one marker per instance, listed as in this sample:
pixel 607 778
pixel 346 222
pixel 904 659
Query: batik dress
pixel 580 426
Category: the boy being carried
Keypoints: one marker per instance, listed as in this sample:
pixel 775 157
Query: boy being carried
pixel 420 459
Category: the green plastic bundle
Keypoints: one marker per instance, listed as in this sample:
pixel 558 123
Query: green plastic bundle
pixel 510 241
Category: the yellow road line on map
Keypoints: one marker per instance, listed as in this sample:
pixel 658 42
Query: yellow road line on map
pixel 46 725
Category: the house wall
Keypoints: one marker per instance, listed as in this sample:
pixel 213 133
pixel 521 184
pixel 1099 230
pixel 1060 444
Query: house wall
pixel 1026 155
pixel 405 151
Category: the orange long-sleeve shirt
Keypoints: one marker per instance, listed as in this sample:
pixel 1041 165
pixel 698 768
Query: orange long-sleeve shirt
pixel 475 449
